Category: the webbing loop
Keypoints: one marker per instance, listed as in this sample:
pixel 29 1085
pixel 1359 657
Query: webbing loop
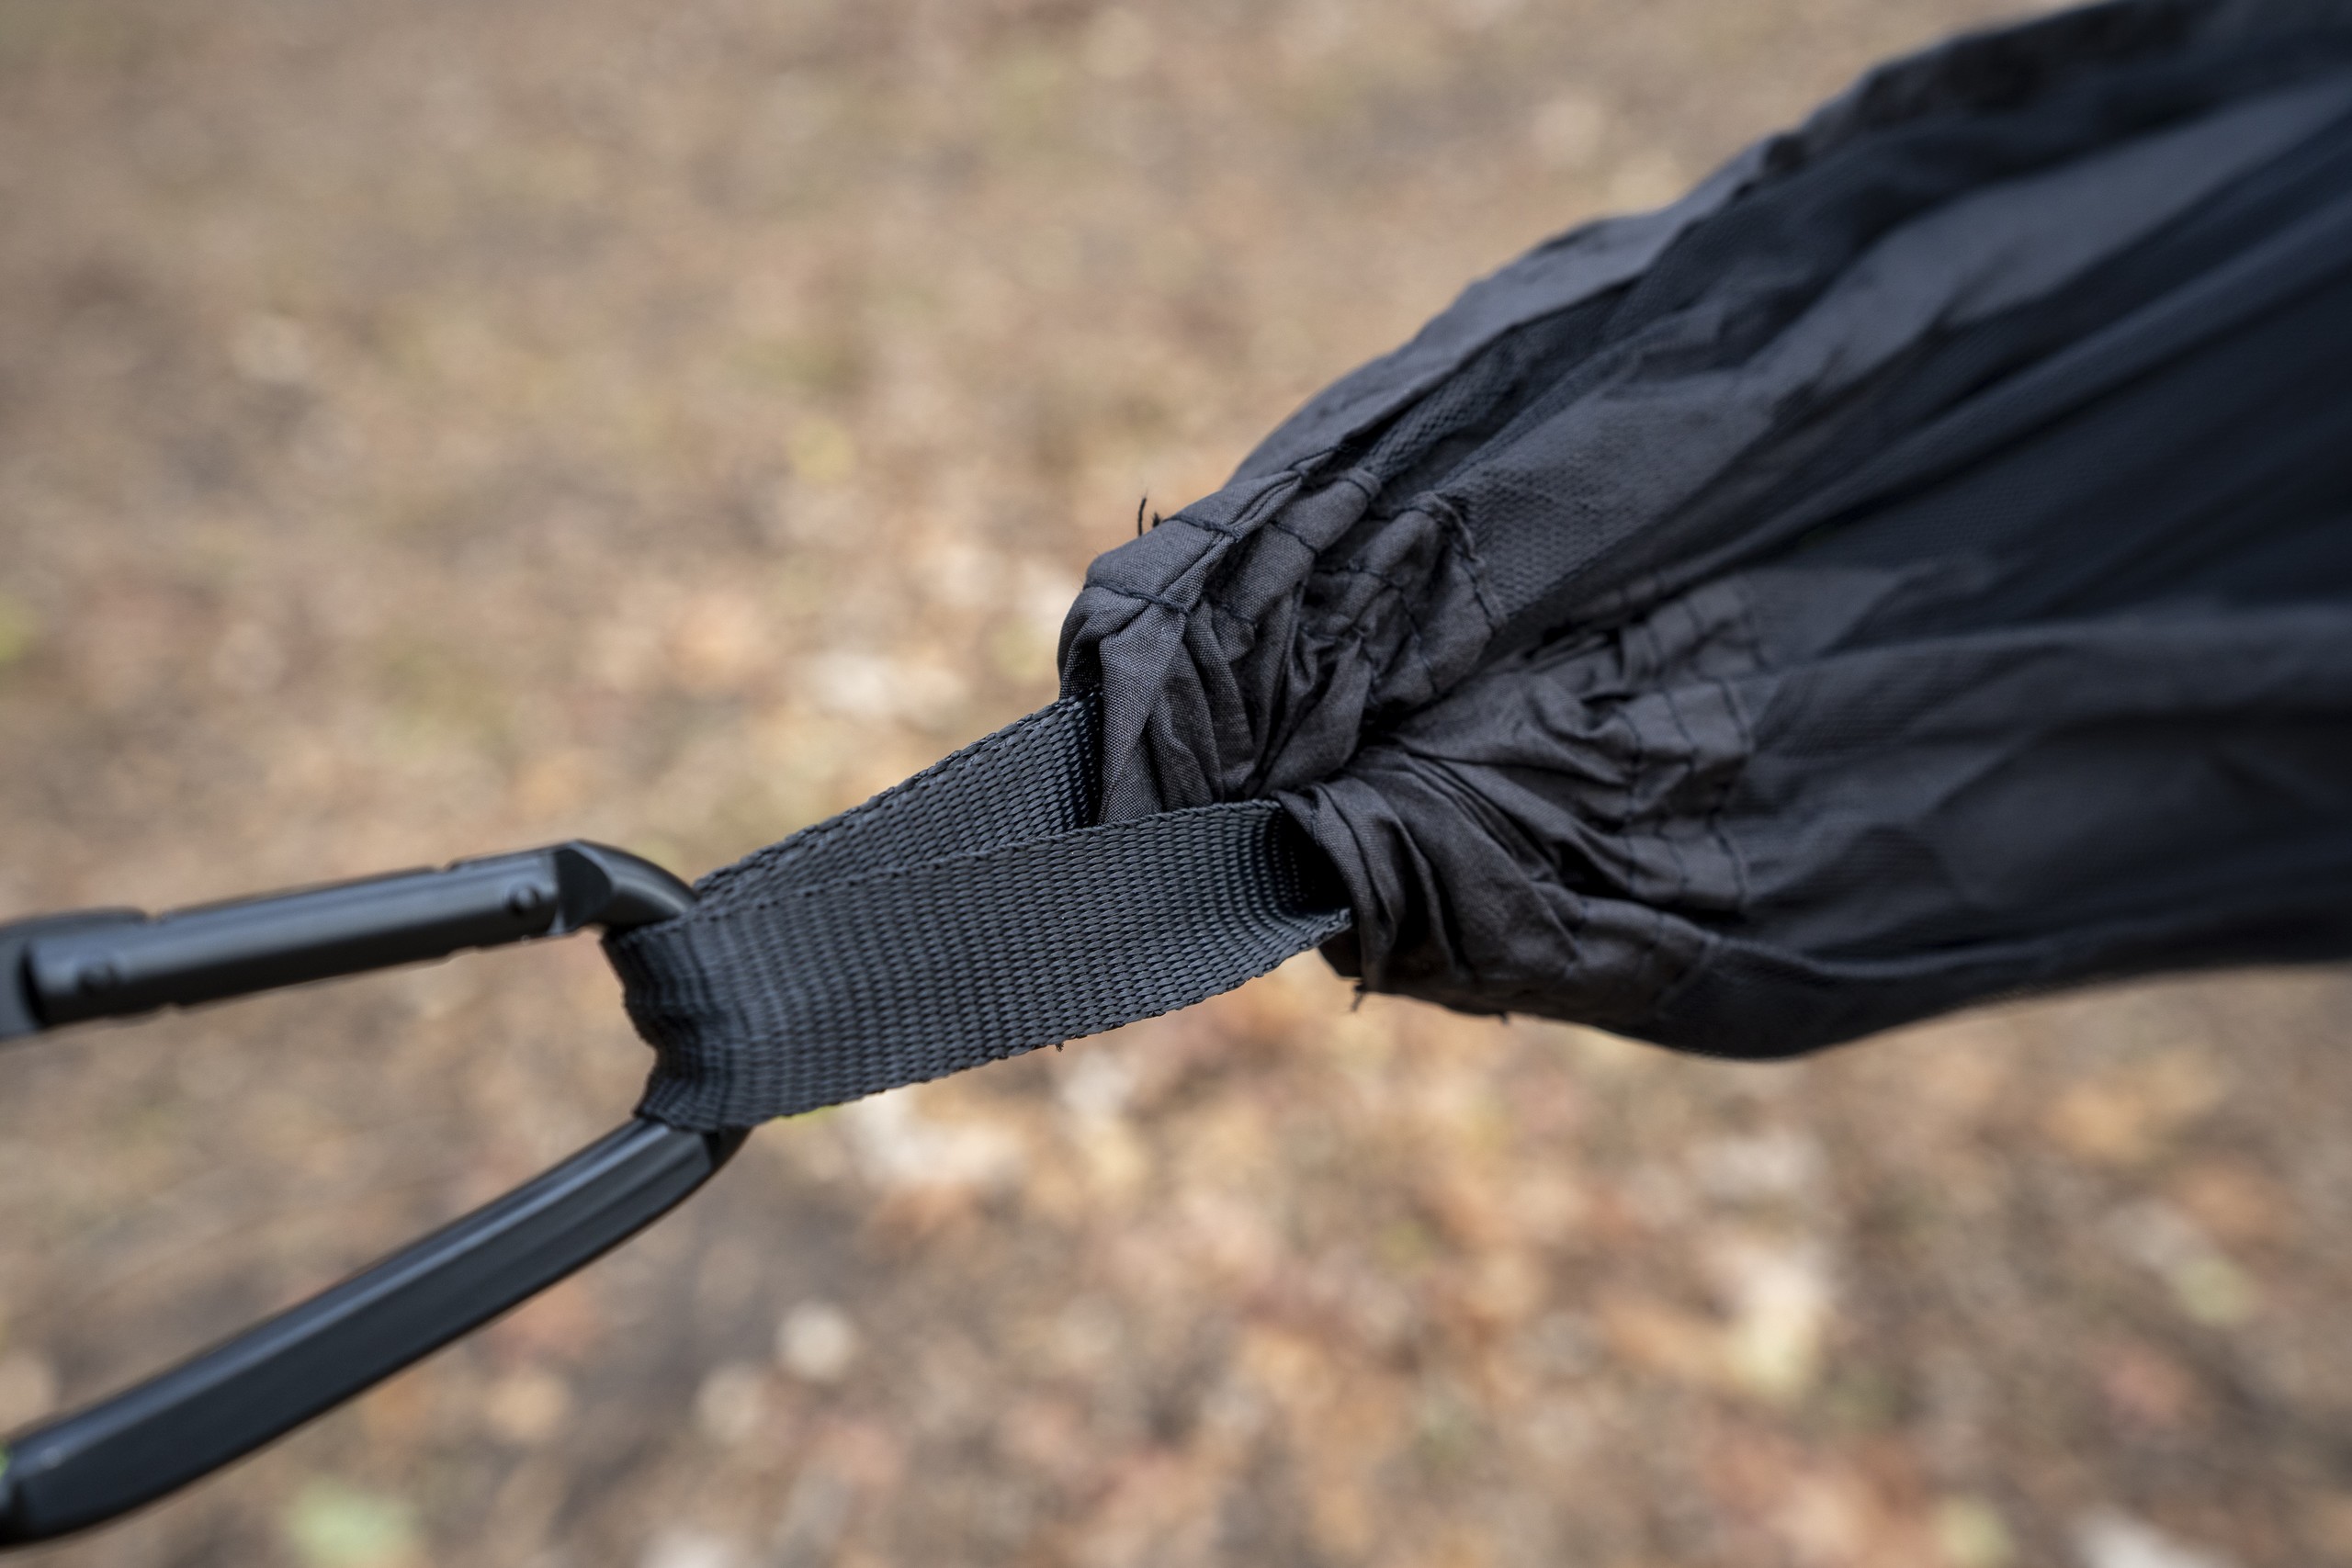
pixel 974 912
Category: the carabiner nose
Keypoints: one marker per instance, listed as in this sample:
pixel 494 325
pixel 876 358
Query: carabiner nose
pixel 101 1462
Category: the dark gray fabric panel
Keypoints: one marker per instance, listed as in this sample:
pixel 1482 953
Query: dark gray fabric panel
pixel 1919 566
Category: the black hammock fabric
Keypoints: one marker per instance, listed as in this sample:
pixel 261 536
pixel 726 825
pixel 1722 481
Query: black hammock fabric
pixel 1914 567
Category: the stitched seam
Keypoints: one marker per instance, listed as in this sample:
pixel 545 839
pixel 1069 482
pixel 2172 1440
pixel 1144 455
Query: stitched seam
pixel 1142 598
pixel 1412 623
pixel 1222 530
pixel 1747 746
pixel 1466 549
pixel 1656 942
pixel 1690 771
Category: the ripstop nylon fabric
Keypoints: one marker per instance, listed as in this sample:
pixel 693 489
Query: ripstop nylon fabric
pixel 1923 571
pixel 1915 567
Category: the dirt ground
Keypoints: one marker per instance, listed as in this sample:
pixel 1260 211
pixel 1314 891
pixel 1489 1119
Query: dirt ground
pixel 434 428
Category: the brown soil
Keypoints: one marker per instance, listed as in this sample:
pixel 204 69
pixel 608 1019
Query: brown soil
pixel 433 428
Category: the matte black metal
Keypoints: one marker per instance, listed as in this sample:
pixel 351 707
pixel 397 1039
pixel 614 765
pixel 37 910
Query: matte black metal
pixel 230 1400
pixel 114 964
pixel 90 1466
pixel 18 1014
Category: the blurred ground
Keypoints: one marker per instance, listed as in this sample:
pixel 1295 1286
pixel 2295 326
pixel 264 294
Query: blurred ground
pixel 436 428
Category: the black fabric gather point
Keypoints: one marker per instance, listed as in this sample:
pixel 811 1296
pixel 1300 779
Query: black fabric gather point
pixel 1913 568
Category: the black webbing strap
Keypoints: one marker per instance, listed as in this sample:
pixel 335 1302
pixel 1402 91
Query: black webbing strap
pixel 973 912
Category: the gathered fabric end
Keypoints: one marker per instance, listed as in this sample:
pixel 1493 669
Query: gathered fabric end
pixel 1912 569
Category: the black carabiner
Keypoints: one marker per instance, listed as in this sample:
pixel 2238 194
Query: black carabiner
pixel 221 1403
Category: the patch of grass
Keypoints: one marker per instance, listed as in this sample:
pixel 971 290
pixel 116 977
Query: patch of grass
pixel 331 1525
pixel 19 629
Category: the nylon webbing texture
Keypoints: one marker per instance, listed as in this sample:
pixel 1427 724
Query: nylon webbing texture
pixel 973 912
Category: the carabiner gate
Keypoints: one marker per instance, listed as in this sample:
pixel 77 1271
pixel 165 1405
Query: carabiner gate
pixel 88 1467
